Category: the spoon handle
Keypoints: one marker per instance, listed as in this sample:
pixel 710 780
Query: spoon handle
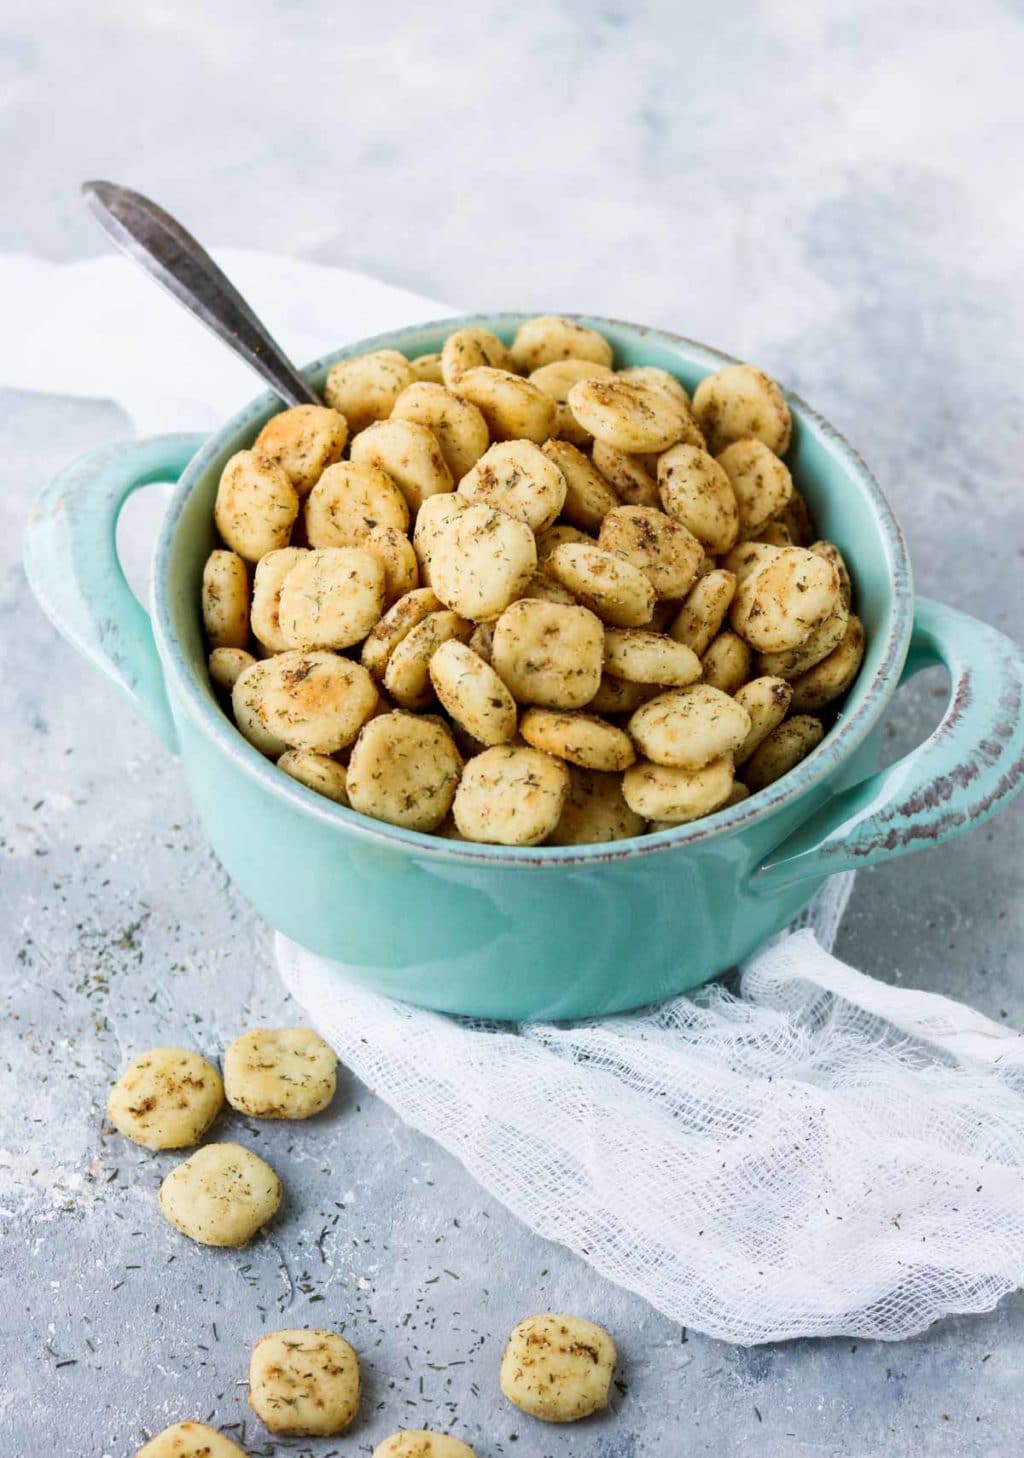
pixel 160 245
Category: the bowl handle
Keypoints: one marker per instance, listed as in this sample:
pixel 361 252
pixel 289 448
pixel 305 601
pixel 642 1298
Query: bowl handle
pixel 71 561
pixel 971 765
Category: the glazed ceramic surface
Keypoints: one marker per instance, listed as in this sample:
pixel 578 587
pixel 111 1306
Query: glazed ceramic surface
pixel 552 932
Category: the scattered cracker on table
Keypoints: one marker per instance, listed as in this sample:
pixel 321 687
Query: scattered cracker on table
pixel 419 1443
pixel 190 1440
pixel 221 1195
pixel 166 1098
pixel 558 1368
pixel 280 1073
pixel 304 1383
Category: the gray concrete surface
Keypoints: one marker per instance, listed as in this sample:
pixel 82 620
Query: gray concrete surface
pixel 829 190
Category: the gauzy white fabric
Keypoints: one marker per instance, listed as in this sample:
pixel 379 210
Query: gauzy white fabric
pixel 820 1154
pixel 816 1154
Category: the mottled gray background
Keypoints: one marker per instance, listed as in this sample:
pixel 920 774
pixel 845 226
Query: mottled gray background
pixel 832 190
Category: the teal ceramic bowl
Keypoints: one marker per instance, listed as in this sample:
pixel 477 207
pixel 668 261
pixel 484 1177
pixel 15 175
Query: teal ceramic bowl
pixel 551 932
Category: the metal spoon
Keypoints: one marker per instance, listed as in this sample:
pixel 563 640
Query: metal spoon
pixel 160 245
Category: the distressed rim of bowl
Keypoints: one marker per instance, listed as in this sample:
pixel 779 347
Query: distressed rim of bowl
pixel 841 740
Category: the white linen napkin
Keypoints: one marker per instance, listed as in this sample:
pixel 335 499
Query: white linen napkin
pixel 820 1154
pixel 102 329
